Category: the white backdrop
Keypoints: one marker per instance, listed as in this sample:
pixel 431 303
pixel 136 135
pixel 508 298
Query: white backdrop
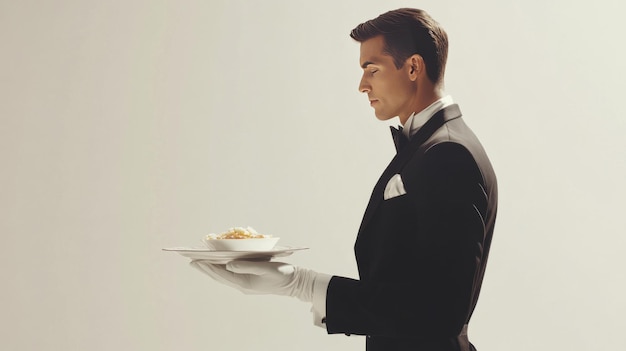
pixel 129 126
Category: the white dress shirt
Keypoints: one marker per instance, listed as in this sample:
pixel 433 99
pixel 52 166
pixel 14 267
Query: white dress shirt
pixel 417 120
pixel 411 126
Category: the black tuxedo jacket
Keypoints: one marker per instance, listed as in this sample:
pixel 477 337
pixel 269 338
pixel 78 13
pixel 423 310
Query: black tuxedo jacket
pixel 422 255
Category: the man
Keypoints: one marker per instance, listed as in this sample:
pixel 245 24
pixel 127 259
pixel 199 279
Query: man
pixel 423 243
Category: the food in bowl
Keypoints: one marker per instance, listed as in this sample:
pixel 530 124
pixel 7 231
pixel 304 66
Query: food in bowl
pixel 239 233
pixel 240 239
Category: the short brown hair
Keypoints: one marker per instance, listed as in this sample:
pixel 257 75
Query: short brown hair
pixel 407 32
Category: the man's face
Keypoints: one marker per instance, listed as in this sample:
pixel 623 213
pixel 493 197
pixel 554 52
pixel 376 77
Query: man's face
pixel 390 90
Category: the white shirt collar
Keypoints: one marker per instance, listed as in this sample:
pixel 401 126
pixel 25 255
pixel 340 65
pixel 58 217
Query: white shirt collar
pixel 417 120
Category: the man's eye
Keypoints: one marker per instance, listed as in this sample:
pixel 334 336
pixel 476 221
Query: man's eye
pixel 373 71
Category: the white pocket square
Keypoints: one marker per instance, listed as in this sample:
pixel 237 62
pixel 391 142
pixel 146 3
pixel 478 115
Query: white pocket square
pixel 394 187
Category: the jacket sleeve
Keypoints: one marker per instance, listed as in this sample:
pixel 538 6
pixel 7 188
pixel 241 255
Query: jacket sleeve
pixel 418 262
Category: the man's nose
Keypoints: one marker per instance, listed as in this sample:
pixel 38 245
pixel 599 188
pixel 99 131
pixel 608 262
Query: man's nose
pixel 364 86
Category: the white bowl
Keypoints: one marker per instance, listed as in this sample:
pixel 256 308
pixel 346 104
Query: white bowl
pixel 253 244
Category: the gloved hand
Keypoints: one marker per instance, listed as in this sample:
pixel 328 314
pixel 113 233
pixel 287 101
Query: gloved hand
pixel 252 277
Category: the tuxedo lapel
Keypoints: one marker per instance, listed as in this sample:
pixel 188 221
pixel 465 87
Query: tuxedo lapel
pixel 405 154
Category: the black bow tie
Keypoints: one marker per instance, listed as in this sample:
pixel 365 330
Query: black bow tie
pixel 399 139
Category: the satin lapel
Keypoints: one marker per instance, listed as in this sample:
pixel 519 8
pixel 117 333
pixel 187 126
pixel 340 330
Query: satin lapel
pixel 398 162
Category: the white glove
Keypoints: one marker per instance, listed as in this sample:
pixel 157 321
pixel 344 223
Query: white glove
pixel 251 277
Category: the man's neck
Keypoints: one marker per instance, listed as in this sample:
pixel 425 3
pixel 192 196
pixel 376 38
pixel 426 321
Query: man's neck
pixel 421 102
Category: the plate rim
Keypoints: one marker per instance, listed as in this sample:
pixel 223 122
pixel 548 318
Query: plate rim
pixel 276 249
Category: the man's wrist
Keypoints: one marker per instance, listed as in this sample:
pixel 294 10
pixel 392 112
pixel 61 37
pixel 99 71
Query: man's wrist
pixel 320 287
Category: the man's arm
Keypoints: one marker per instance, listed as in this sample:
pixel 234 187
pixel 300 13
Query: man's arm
pixel 422 255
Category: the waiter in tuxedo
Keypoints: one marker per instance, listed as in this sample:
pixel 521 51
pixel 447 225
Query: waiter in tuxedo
pixel 423 243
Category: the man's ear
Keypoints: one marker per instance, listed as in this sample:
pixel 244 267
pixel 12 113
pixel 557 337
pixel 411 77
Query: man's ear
pixel 415 65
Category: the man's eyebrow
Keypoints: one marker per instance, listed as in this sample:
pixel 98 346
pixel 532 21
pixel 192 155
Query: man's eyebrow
pixel 367 63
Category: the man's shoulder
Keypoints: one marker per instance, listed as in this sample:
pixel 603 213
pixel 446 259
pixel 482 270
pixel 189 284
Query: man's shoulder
pixel 452 146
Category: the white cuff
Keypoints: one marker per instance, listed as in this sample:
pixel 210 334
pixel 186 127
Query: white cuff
pixel 319 298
